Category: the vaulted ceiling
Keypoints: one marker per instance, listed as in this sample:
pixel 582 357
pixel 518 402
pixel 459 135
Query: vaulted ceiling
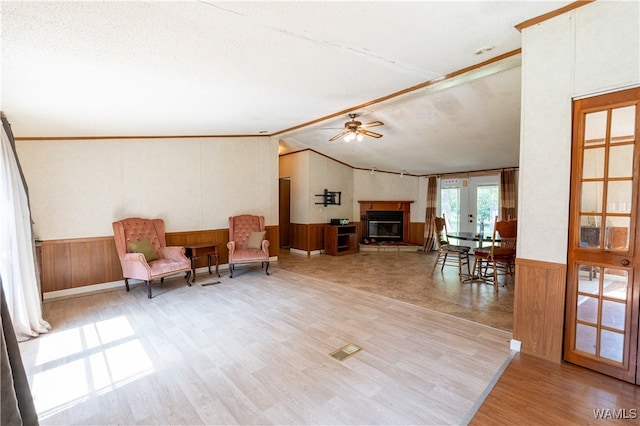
pixel 293 70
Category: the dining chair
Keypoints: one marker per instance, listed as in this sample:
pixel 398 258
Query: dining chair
pixel 500 256
pixel 448 254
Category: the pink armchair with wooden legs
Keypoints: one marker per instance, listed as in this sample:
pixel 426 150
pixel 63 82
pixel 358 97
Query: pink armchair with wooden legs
pixel 144 254
pixel 246 242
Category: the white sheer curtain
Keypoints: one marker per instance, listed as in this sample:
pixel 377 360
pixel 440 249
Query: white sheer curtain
pixel 17 254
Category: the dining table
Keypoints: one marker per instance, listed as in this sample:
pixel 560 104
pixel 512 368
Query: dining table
pixel 472 236
pixel 479 238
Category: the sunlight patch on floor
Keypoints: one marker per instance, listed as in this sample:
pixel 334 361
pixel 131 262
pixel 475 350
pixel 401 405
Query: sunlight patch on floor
pixel 86 361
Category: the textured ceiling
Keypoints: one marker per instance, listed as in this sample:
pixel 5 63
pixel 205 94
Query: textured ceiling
pixel 244 68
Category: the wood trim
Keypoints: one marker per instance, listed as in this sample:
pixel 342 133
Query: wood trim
pixel 80 262
pixel 538 19
pixel 538 308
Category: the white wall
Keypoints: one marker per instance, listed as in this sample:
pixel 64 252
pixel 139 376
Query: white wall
pixel 311 173
pixel 388 186
pixel 590 50
pixel 325 173
pixel 79 187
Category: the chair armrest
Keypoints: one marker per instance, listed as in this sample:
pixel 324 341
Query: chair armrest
pixel 231 245
pixel 134 265
pixel 265 247
pixel 175 253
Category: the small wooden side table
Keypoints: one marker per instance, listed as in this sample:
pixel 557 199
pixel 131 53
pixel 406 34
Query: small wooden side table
pixel 194 251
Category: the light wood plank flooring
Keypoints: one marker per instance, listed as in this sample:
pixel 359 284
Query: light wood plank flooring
pixel 254 350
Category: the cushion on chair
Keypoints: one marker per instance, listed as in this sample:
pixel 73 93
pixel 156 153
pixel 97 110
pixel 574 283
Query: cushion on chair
pixel 145 247
pixel 255 240
pixel 453 247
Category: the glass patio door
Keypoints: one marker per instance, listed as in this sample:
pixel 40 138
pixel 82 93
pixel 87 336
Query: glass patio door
pixel 603 279
pixel 470 204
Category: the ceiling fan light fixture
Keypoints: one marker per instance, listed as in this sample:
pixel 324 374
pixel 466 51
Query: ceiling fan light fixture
pixel 355 130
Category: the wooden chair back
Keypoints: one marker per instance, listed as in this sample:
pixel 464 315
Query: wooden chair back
pixel 440 231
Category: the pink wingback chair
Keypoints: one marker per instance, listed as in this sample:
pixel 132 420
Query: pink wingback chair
pixel 144 254
pixel 246 242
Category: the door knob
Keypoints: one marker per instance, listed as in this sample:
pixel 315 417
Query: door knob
pixel 625 262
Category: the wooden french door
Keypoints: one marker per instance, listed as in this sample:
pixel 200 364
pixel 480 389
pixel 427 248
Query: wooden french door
pixel 603 279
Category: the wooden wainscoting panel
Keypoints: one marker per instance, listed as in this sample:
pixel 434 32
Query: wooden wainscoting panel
pixel 307 237
pixel 79 262
pixel 316 236
pixel 56 266
pixel 300 236
pixel 538 309
pixel 273 235
pixel 416 235
pixel 94 261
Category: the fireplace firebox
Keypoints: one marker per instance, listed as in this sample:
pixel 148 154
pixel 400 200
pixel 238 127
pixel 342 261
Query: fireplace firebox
pixel 391 221
pixel 385 225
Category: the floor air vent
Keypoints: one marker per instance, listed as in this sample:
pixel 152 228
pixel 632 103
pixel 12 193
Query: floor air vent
pixel 345 351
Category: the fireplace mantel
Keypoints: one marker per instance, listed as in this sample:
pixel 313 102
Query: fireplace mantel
pixel 383 205
pixel 388 205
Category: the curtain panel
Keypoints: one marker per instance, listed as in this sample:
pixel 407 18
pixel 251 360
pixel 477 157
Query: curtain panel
pixel 17 247
pixel 508 194
pixel 17 404
pixel 432 200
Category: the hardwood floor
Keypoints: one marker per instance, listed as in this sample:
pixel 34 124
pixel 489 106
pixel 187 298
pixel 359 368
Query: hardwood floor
pixel 533 391
pixel 254 350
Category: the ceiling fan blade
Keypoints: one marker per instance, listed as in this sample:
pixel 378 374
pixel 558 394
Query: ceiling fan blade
pixel 372 134
pixel 339 135
pixel 373 124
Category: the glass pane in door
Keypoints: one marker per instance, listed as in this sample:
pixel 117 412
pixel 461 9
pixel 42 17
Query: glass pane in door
pixel 486 208
pixel 601 311
pixel 591 197
pixel 450 206
pixel 620 160
pixel 623 122
pixel 595 128
pixel 593 163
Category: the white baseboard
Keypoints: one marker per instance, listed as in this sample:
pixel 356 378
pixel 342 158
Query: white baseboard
pixel 82 290
pixel 304 252
pixel 69 292
pixel 515 345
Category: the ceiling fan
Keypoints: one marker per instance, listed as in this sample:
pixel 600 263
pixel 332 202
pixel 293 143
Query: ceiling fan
pixel 354 129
